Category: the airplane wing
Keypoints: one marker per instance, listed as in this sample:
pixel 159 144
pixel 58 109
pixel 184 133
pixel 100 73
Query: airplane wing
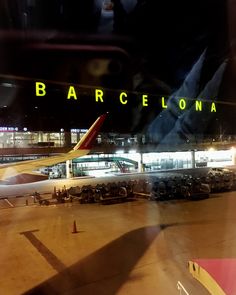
pixel 82 148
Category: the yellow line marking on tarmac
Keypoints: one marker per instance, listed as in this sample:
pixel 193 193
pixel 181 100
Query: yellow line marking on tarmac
pixel 9 203
pixel 43 250
pixel 181 288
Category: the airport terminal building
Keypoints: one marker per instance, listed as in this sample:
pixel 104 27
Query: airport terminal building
pixel 114 152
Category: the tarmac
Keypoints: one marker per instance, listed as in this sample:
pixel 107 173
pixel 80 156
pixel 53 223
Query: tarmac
pixel 137 247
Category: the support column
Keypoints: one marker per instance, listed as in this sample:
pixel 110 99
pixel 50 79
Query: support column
pixel 233 156
pixel 40 136
pixel 67 139
pixel 69 173
pixel 193 161
pixel 140 164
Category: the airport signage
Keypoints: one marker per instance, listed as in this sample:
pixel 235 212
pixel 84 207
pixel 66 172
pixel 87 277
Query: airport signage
pixel 8 129
pixel 181 103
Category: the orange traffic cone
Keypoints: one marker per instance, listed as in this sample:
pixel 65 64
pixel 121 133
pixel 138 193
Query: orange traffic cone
pixel 74 228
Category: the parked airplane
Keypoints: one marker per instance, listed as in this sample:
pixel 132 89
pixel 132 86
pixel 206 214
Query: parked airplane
pixel 24 171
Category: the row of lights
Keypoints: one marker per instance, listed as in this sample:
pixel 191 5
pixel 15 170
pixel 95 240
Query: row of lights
pixel 11 129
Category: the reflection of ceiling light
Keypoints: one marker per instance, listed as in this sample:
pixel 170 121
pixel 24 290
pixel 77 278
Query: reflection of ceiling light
pixel 7 85
pixel 98 67
pixel 211 149
pixel 120 152
pixel 132 152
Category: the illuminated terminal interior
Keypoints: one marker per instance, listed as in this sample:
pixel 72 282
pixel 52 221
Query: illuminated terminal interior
pixel 15 137
pixel 118 152
pixel 102 164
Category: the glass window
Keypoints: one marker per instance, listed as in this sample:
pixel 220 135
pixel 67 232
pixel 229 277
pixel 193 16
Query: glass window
pixel 164 71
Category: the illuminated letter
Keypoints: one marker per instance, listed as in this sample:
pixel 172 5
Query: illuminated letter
pixel 182 104
pixel 164 106
pixel 145 100
pixel 71 93
pixel 98 95
pixel 213 107
pixel 121 98
pixel 40 89
pixel 198 105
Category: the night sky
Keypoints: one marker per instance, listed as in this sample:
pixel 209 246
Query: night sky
pixel 146 47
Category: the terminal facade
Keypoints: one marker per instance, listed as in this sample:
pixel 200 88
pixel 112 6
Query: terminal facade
pixel 113 152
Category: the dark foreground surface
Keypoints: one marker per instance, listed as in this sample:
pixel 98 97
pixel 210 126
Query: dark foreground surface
pixel 138 247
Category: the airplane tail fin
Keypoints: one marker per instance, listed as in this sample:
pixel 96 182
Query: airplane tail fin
pixel 89 137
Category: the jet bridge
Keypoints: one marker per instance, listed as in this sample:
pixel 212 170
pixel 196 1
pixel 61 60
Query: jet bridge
pixel 123 164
